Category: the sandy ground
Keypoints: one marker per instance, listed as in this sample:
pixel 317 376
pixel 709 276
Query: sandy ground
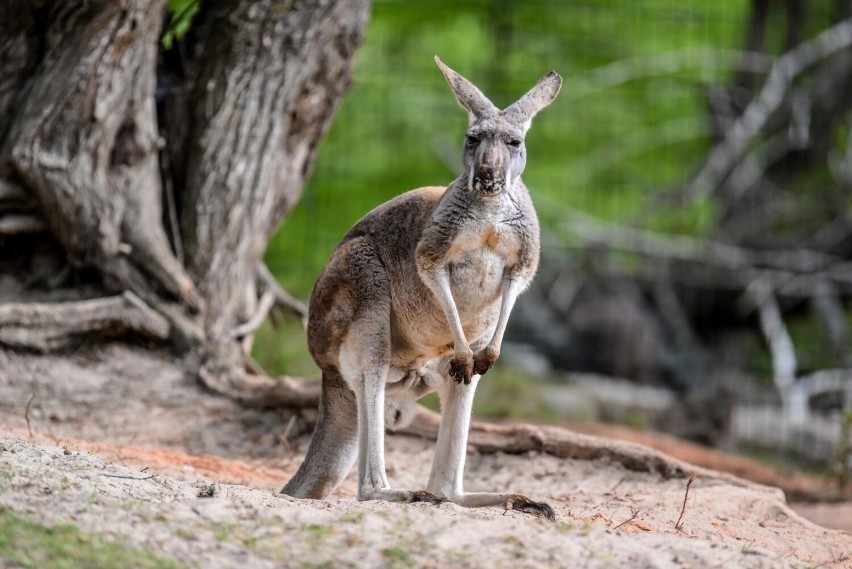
pixel 127 454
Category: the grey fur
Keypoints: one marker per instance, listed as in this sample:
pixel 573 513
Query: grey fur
pixel 416 295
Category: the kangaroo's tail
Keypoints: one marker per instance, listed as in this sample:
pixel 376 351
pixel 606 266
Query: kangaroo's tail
pixel 334 446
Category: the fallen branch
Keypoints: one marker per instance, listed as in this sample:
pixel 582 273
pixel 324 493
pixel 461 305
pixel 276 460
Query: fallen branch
pixel 490 438
pixel 129 477
pixel 679 522
pixel 789 272
pixel 819 382
pixel 693 249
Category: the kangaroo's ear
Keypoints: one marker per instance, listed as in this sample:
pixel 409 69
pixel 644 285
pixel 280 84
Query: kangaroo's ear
pixel 524 109
pixel 467 94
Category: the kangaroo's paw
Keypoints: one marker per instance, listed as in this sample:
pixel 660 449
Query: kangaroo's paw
pixel 518 503
pixel 461 369
pixel 484 360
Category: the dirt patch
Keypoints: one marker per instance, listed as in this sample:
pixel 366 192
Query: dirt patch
pixel 127 451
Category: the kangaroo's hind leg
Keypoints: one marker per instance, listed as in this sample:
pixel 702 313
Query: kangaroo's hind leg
pixel 364 363
pixel 450 451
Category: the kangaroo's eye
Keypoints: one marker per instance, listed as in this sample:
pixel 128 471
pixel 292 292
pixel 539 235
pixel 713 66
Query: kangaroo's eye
pixel 471 139
pixel 515 143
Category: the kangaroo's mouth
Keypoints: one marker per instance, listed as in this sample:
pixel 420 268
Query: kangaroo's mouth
pixel 488 185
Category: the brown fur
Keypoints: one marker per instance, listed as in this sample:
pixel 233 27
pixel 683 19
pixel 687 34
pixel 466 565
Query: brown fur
pixel 416 294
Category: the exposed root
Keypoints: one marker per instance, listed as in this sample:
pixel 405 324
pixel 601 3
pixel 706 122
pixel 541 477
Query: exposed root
pixel 250 327
pixel 21 223
pixel 490 438
pixel 53 325
pixel 259 390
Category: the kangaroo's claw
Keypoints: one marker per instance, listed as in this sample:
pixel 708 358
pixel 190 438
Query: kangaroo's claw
pixel 519 503
pixel 428 497
pixel 461 371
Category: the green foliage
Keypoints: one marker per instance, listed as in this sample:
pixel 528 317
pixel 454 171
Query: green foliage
pixel 30 545
pixel 396 557
pixel 284 351
pixel 181 13
pixel 507 392
pixel 630 122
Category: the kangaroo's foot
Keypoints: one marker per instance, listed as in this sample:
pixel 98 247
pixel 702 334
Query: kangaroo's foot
pixel 406 496
pixel 514 502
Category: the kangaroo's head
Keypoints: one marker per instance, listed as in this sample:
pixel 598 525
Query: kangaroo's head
pixel 494 152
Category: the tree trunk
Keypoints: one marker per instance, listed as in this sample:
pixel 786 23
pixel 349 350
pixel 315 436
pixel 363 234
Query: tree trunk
pixel 85 166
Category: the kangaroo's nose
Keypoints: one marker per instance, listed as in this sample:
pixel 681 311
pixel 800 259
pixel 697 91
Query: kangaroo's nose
pixel 488 179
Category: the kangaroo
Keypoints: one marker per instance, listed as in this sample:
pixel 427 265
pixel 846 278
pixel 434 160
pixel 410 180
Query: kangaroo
pixel 415 299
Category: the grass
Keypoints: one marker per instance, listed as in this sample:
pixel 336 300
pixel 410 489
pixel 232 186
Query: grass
pixel 27 545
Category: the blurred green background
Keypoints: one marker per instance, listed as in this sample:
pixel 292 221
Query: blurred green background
pixel 607 143
pixel 632 124
pixel 629 123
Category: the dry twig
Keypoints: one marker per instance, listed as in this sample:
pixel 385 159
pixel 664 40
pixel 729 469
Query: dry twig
pixel 27 414
pixel 130 477
pixel 679 522
pixel 634 512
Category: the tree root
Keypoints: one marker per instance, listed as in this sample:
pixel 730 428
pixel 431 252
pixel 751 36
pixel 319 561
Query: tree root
pixel 21 223
pixel 222 374
pixel 489 438
pixel 50 326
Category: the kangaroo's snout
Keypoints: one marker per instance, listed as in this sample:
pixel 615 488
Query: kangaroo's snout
pixel 489 174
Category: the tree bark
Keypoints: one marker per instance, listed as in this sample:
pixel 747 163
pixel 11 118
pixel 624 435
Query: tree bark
pixel 84 142
pixel 269 79
pixel 81 158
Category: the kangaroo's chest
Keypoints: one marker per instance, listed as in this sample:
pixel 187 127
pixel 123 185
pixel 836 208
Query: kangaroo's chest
pixel 476 261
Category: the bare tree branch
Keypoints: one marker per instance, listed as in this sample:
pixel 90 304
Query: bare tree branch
pixel 829 311
pixel 663 64
pixel 731 150
pixel 284 301
pixel 778 339
pixel 687 248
